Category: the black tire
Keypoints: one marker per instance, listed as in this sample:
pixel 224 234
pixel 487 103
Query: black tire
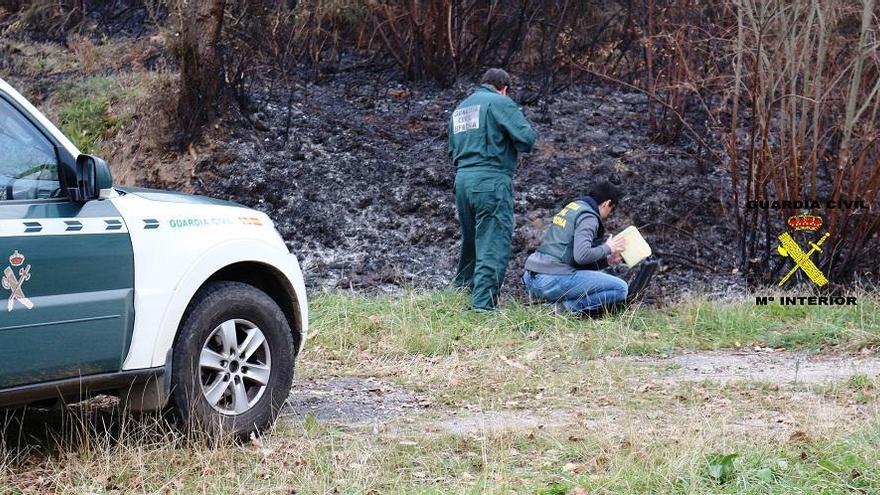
pixel 213 305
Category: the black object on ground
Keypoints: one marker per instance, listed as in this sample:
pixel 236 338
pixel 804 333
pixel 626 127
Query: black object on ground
pixel 638 284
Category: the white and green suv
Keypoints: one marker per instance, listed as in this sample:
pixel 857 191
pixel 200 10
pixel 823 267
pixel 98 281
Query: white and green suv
pixel 165 299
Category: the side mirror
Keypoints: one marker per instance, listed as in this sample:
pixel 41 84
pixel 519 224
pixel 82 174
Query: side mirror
pixel 92 176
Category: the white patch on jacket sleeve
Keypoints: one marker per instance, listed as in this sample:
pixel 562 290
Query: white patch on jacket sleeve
pixel 465 119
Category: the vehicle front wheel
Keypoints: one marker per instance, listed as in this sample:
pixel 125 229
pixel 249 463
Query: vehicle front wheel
pixel 233 360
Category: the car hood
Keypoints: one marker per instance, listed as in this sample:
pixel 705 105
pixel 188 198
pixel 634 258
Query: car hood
pixel 175 197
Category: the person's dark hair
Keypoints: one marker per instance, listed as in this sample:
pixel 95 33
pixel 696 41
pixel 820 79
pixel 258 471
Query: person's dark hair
pixel 498 78
pixel 604 191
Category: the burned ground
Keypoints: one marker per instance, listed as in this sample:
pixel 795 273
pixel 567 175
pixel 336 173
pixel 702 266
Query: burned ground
pixel 354 169
pixel 361 187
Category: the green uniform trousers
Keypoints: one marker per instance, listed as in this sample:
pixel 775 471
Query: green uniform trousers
pixel 485 211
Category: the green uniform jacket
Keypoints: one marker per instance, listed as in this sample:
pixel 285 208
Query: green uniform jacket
pixel 487 132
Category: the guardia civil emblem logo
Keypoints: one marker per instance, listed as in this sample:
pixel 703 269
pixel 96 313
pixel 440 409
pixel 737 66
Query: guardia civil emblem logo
pixel 13 282
pixel 788 247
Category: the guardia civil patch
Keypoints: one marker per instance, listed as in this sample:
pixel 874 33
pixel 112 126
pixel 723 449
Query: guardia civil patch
pixel 14 283
pixel 466 119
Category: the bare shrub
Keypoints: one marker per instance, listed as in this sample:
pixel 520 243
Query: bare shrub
pixel 279 37
pixel 442 39
pixel 684 57
pixel 50 17
pixel 804 123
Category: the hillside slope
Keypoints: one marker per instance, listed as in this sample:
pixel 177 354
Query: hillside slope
pixel 361 185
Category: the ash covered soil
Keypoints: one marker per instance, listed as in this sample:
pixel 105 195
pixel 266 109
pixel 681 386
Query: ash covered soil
pixel 361 187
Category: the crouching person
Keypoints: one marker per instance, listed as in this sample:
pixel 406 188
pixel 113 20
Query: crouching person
pixel 566 267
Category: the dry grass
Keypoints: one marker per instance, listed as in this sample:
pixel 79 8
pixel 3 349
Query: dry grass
pixel 117 105
pixel 519 403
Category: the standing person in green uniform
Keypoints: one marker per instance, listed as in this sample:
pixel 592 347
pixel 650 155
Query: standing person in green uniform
pixel 487 132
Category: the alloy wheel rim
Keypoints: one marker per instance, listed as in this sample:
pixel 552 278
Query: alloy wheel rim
pixel 234 366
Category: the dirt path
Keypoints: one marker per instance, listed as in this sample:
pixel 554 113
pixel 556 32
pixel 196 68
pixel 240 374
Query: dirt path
pixel 767 366
pixel 367 401
pixel 348 399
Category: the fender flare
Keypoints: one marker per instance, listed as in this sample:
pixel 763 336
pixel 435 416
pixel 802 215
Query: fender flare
pixel 212 261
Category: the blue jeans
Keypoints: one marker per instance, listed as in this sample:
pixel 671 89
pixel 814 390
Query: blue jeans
pixel 583 290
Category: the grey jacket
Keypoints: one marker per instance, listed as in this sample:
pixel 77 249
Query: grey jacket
pixel 584 251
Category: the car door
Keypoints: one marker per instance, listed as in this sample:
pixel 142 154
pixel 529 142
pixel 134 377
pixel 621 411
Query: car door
pixel 66 268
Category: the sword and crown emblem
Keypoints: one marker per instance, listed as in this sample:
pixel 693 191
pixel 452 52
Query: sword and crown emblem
pixel 788 247
pixel 14 283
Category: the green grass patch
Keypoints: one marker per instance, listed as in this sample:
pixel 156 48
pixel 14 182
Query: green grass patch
pixel 438 324
pixel 85 114
pixel 844 465
pixel 568 463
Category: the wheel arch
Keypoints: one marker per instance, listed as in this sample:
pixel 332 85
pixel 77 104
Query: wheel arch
pixel 269 280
